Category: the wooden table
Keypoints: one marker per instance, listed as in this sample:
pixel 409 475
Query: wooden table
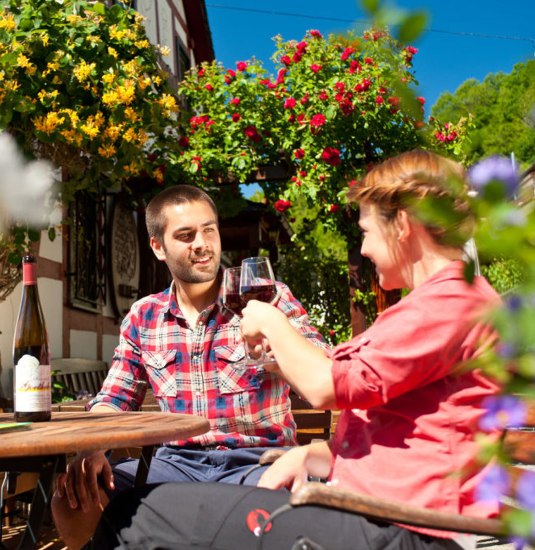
pixel 44 447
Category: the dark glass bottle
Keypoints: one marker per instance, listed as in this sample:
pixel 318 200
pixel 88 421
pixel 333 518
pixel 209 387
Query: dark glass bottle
pixel 31 356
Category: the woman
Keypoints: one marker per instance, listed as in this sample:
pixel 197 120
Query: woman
pixel 410 405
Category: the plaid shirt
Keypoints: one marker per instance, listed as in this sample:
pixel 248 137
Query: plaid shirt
pixel 190 370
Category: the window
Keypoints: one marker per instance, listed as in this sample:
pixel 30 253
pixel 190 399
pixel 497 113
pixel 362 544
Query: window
pixel 87 252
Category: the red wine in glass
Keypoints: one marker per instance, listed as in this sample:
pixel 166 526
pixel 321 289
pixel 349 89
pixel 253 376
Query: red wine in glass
pixel 262 292
pixel 231 290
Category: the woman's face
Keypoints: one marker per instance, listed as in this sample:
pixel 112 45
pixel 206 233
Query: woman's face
pixel 380 244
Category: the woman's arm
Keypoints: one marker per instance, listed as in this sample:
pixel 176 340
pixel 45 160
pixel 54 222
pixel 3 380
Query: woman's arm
pixel 306 367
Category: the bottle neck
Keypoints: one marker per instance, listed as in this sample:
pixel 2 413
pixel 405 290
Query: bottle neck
pixel 29 274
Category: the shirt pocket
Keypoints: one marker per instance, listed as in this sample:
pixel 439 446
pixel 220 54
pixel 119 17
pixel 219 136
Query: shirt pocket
pixel 161 369
pixel 232 379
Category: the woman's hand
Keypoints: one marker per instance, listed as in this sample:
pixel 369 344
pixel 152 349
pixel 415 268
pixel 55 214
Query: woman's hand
pixel 259 317
pixel 289 471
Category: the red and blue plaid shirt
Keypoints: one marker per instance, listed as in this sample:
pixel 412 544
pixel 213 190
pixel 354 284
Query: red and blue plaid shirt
pixel 190 370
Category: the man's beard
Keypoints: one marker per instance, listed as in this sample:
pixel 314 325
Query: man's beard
pixel 190 274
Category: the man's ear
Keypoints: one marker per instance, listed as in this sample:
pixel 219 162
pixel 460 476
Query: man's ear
pixel 157 248
pixel 403 225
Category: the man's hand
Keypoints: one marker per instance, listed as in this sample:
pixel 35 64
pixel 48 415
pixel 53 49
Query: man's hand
pixel 80 484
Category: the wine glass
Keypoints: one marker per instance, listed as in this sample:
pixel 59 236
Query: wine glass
pixel 233 302
pixel 258 283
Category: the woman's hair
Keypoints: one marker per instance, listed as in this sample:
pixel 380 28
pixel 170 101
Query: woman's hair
pixel 178 194
pixel 431 187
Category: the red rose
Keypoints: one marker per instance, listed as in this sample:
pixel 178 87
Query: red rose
pixel 317 120
pixel 346 53
pixel 379 100
pixel 297 56
pixel 183 142
pixel 334 208
pixel 363 86
pixel 235 101
pixel 280 76
pixel 304 99
pixel 209 87
pixel 316 34
pixel 382 90
pixel 282 205
pixel 252 133
pixel 289 103
pixel 368 61
pixel 340 86
pixel 236 117
pixel 285 59
pixel 421 100
pixel 352 183
pixel 411 50
pixel 299 153
pixel 331 156
pixel 302 46
pixel 323 95
pixel 394 101
pixel 201 72
pixel 354 66
pixel 241 66
pixel 315 67
pixel 300 118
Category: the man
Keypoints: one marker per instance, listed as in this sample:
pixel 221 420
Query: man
pixel 183 342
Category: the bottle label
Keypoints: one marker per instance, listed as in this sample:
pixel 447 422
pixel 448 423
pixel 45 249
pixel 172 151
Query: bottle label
pixel 32 385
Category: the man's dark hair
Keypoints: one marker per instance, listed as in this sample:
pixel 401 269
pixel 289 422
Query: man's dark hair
pixel 178 194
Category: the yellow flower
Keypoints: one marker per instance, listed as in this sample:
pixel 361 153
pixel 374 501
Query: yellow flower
pixel 51 66
pixel 31 70
pixel 126 93
pixel 44 38
pixel 107 150
pixel 116 34
pixel 131 114
pixel 142 44
pixel 83 70
pixel 108 78
pixel 157 175
pixel 90 129
pixel 94 39
pixel 142 137
pixel 110 98
pixel 165 50
pixel 113 52
pixel 74 19
pixel 130 68
pixel 132 168
pixel 143 82
pixel 23 61
pixel 7 22
pixel 168 102
pixel 72 137
pixel 11 85
pixel 130 135
pixel 48 123
pixel 73 116
pixel 113 132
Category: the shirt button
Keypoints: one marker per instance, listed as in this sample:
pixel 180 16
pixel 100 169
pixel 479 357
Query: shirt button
pixel 198 393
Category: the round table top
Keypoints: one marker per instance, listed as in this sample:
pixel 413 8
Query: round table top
pixel 72 432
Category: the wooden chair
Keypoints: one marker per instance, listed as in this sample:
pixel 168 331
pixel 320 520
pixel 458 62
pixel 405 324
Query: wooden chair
pixel 518 444
pixel 79 375
pixel 312 424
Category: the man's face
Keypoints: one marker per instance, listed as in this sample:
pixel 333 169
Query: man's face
pixel 191 245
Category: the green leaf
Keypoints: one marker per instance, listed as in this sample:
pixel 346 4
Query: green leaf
pixel 412 26
pixel 52 233
pixel 370 6
pixel 99 8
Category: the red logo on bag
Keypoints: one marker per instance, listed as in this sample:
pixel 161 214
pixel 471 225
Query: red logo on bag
pixel 256 519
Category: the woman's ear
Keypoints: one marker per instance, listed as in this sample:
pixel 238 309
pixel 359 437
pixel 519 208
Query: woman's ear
pixel 403 225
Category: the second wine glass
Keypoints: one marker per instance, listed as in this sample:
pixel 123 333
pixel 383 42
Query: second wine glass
pixel 258 283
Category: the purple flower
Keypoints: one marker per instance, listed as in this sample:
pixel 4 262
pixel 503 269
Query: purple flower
pixel 525 491
pixel 502 411
pixel 495 168
pixel 494 485
pixel 513 303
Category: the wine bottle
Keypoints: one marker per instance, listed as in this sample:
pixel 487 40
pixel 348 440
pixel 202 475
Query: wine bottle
pixel 31 357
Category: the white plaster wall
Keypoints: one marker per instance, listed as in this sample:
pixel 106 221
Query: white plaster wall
pixel 83 344
pixel 165 19
pixel 147 9
pixel 109 343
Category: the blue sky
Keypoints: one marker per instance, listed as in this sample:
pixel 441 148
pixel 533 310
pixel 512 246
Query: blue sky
pixel 465 38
